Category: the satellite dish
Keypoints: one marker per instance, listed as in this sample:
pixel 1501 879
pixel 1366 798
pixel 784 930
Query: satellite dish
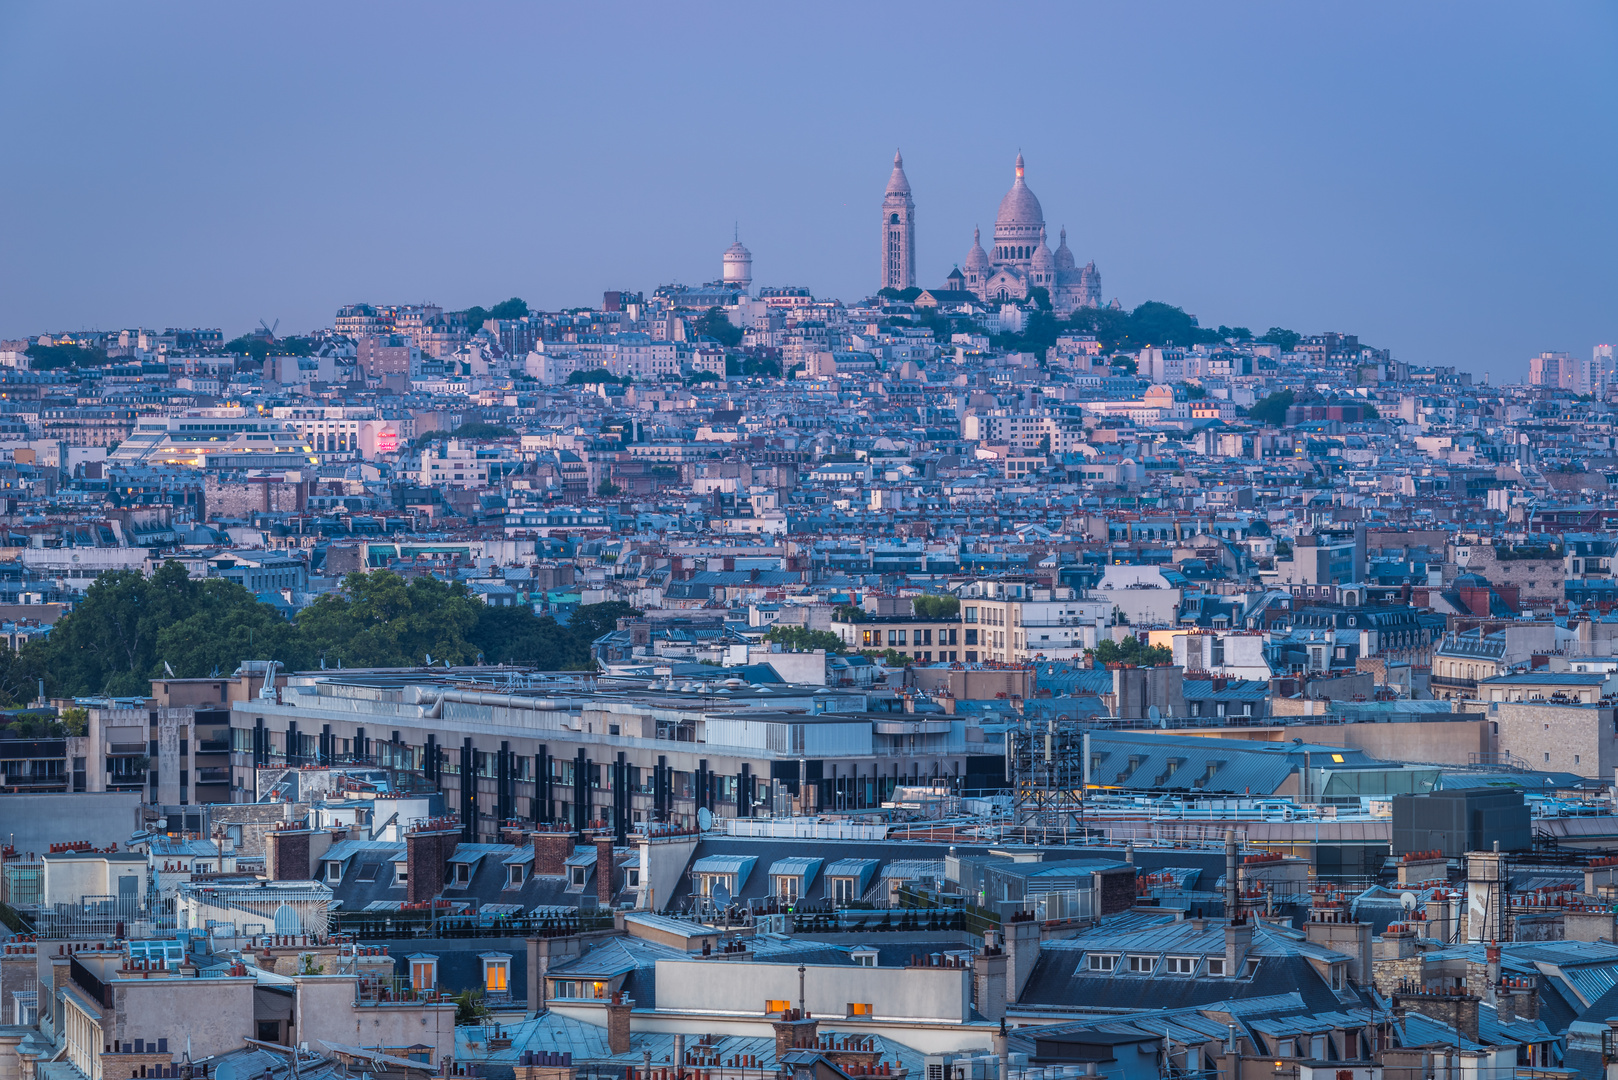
pixel 704 818
pixel 721 895
pixel 1407 900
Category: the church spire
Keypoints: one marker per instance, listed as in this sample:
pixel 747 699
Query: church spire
pixel 1019 165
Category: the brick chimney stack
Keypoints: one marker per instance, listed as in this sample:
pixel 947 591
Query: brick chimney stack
pixel 605 871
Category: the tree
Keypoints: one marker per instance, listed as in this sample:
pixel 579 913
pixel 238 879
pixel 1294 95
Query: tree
pixel 1272 410
pixel 1043 447
pixel 1157 323
pixel 936 606
pixel 903 296
pixel 1193 392
pixel 1108 326
pixel 474 430
pixel 590 621
pixel 595 376
pixel 849 613
pixel 515 635
pixel 376 619
pixel 743 366
pixel 804 639
pixel 257 346
pixel 1286 339
pixel 1131 650
pixel 52 357
pixel 714 323
pixel 608 489
pixel 515 308
pixel 1370 412
pixel 1235 333
pixel 1041 296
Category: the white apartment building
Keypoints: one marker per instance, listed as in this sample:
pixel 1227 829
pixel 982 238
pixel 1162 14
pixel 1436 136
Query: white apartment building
pixel 1015 620
pixel 1024 430
pixel 1238 654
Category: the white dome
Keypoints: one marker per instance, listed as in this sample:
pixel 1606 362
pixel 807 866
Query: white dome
pixel 976 259
pixel 1020 207
pixel 1043 260
pixel 898 183
pixel 1064 257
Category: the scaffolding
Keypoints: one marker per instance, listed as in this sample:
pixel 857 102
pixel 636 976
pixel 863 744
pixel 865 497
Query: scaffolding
pixel 1047 764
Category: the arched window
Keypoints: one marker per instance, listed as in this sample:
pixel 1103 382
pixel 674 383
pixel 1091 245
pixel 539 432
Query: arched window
pixel 894 220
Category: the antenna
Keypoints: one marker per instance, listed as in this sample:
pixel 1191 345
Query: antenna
pixel 1407 900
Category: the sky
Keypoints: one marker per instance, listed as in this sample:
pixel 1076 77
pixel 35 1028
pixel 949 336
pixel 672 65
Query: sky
pixel 1440 179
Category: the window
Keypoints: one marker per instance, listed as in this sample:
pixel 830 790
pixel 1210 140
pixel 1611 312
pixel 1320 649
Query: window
pixel 401 873
pixel 463 873
pixel 786 886
pixel 773 1005
pixel 334 872
pixel 575 876
pixel 1180 965
pixel 514 880
pixel 634 877
pixel 1142 965
pixel 842 889
pixel 495 969
pixel 1337 976
pixel 1216 965
pixel 1102 961
pixel 424 972
pixel 859 1008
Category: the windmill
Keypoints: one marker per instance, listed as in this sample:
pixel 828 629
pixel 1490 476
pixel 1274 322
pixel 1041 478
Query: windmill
pixel 267 331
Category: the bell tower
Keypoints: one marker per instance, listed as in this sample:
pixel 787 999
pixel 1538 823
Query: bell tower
pixel 898 230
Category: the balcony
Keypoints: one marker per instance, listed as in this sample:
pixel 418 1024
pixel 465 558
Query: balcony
pixel 1451 683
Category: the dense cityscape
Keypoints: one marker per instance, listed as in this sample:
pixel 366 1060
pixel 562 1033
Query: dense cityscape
pixel 980 679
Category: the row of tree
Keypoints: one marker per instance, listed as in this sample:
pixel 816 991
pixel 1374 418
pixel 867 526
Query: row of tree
pixel 130 629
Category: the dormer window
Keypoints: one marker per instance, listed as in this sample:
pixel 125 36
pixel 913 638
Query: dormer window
pixel 463 873
pixel 576 876
pixel 334 872
pixel 496 973
pixel 423 972
pixel 863 957
pixel 514 877
pixel 786 886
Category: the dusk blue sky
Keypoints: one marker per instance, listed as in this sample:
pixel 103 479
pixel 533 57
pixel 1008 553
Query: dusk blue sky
pixel 1441 179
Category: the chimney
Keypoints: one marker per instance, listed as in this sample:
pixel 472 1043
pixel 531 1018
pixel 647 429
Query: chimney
pixel 1505 1004
pixel 1232 885
pixel 286 854
pixel 551 850
pixel 989 977
pixel 604 871
pixel 427 853
pixel 618 1023
pixel 793 1031
pixel 1022 952
pixel 1238 942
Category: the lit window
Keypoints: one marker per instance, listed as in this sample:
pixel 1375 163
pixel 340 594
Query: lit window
pixel 496 968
